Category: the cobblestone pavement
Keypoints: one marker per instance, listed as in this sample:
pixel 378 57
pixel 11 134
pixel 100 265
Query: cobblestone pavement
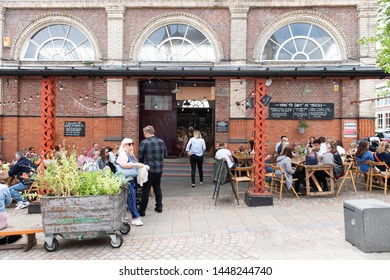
pixel 192 228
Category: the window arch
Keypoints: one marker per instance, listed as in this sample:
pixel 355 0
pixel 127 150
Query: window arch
pixel 58 42
pixel 177 42
pixel 301 41
pixel 303 36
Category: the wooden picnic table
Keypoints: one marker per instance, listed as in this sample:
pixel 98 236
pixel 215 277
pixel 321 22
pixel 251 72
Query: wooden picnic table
pixel 310 174
pixel 244 160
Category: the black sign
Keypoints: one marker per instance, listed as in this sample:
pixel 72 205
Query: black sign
pixel 222 126
pixel 74 129
pixel 308 111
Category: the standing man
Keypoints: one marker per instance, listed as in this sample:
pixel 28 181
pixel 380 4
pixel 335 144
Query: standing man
pixel 152 152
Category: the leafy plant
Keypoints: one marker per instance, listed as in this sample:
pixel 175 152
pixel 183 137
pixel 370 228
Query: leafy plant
pixel 302 123
pixel 62 177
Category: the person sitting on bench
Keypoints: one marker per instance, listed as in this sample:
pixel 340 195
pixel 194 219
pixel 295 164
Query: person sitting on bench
pixel 5 199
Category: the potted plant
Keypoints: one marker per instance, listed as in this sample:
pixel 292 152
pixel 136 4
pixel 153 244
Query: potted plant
pixel 81 205
pixel 302 124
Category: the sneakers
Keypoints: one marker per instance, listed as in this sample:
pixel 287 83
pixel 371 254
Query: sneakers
pixel 193 185
pixel 24 204
pixel 201 182
pixel 18 203
pixel 137 222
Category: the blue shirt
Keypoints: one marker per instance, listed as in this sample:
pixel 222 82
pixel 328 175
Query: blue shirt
pixel 196 146
pixel 366 156
pixel 5 197
pixel 152 152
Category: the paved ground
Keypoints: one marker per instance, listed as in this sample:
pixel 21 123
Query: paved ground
pixel 192 228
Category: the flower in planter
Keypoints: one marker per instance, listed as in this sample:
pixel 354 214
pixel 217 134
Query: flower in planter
pixel 302 123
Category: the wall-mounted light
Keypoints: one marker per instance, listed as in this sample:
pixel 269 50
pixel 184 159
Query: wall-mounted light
pixel 176 90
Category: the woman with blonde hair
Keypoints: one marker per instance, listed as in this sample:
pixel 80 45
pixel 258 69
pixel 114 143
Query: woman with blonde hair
pixel 383 154
pixel 127 160
pixel 195 149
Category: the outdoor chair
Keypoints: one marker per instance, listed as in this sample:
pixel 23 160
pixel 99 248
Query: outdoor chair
pixel 281 181
pixel 243 174
pixel 381 176
pixel 348 174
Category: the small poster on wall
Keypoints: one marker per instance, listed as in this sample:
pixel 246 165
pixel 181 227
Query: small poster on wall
pixel 222 126
pixel 350 129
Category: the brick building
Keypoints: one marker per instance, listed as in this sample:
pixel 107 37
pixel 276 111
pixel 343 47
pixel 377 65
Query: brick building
pixel 204 34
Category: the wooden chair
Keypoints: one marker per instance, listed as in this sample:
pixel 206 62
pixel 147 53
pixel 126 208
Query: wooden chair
pixel 243 174
pixel 358 172
pixel 268 175
pixel 281 180
pixel 348 174
pixel 382 176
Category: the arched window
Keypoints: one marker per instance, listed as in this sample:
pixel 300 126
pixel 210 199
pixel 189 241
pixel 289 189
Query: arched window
pixel 301 41
pixel 58 42
pixel 177 42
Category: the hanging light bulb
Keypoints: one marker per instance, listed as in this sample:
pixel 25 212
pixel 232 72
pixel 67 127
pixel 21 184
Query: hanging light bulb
pixel 30 97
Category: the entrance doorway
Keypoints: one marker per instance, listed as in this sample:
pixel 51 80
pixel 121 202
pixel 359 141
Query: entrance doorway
pixel 171 106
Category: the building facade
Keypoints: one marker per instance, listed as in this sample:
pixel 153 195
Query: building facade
pixel 126 33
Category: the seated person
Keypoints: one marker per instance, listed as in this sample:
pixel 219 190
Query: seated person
pixel 383 154
pixel 224 153
pixel 312 159
pixel 91 165
pixel 350 153
pixel 283 143
pixel 22 168
pixel 284 161
pixel 363 153
pixel 5 200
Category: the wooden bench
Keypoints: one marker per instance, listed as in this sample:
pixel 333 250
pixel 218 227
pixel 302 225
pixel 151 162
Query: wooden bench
pixel 31 238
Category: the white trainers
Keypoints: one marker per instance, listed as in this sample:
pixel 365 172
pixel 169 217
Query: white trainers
pixel 24 204
pixel 18 203
pixel 137 222
pixel 201 182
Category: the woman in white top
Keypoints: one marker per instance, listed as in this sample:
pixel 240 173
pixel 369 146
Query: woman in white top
pixel 195 149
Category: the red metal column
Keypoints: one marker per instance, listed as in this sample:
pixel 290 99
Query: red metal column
pixel 259 139
pixel 48 116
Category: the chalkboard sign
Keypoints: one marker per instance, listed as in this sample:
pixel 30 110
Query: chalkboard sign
pixel 309 111
pixel 74 129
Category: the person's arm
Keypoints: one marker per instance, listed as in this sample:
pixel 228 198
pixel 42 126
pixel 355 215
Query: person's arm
pixel 141 152
pixel 123 161
pixel 188 147
pixel 289 168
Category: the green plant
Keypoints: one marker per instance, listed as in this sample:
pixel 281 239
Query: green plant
pixel 302 123
pixel 62 177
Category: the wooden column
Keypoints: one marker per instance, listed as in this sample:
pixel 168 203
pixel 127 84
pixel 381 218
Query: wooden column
pixel 48 116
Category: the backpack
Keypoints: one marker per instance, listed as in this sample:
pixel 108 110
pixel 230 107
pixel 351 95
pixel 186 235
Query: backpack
pixel 312 160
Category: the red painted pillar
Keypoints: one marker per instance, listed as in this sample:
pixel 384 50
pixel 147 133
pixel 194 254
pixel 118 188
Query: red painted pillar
pixel 48 116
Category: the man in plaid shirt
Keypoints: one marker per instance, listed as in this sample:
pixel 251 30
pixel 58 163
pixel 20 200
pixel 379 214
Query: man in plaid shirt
pixel 152 152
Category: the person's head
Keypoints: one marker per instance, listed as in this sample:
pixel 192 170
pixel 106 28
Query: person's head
pixel 251 144
pixel 284 139
pixel 24 151
pixel 339 143
pixel 383 147
pixel 322 139
pixel 127 145
pixel 364 145
pixel 56 148
pixel 222 145
pixel 316 145
pixel 95 154
pixel 197 134
pixel 31 150
pixel 104 153
pixel 311 139
pixel 284 146
pixel 352 145
pixel 148 131
pixel 95 146
pixel 19 155
pixel 84 151
pixel 331 147
pixel 287 151
pixel 109 148
pixel 283 136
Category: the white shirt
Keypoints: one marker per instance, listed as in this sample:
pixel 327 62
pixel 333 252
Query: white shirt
pixel 196 146
pixel 224 154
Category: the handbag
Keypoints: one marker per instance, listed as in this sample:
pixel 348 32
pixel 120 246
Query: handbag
pixel 128 172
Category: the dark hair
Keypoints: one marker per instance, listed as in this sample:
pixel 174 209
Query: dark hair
pixel 221 144
pixel 339 143
pixel 362 148
pixel 317 141
pixel 322 139
pixel 103 155
pixel 281 137
pixel 252 144
pixel 287 151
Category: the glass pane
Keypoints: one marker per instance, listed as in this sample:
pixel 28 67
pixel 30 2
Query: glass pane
pixel 300 56
pixel 270 50
pixel 319 34
pixel 31 50
pixel 76 36
pixel 316 55
pixel 281 35
pixel 41 36
pixel 300 29
pixel 284 55
pixel 300 43
pixel 331 51
pixel 195 36
pixel 159 103
pixel 158 36
pixel 58 30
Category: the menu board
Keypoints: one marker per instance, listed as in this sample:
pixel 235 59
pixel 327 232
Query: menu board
pixel 74 129
pixel 308 111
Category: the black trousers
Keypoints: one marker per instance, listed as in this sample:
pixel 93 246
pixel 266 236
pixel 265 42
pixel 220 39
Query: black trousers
pixel 154 179
pixel 321 178
pixel 196 161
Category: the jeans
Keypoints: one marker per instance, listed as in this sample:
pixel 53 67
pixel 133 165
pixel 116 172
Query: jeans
pixel 154 179
pixel 14 190
pixel 196 161
pixel 131 198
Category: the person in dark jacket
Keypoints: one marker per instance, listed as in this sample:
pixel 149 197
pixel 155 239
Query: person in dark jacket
pixel 23 169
